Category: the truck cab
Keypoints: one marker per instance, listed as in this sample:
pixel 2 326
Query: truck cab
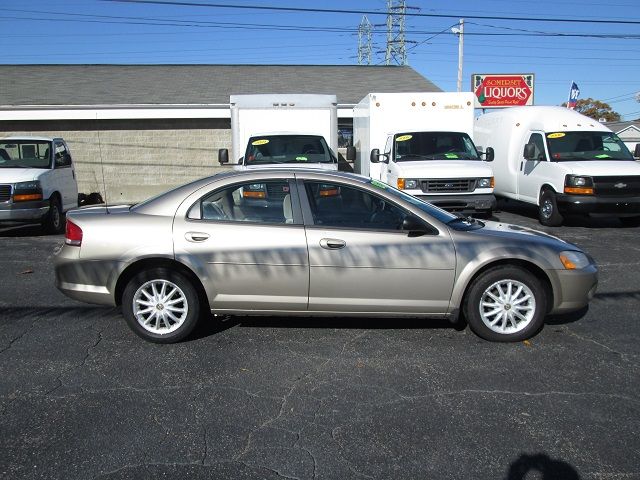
pixel 443 168
pixel 37 181
pixel 286 149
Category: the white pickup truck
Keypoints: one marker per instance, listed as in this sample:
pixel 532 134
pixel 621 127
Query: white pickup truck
pixel 37 182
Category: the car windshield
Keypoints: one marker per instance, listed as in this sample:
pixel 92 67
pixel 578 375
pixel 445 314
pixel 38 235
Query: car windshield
pixel 438 213
pixel 566 146
pixel 413 146
pixel 299 149
pixel 25 154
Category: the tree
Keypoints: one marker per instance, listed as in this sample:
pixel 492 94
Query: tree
pixel 596 110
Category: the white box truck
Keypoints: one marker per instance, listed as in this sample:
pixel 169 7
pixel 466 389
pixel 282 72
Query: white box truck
pixel 422 143
pixel 561 161
pixel 275 130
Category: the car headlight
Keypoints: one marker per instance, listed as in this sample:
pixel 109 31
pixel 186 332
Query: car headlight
pixel 573 260
pixel 27 191
pixel 578 184
pixel 485 182
pixel 407 184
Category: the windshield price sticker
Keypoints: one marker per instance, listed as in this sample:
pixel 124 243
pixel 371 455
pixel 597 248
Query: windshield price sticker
pixel 379 184
pixel 264 141
pixel 451 155
pixel 301 159
pixel 404 138
pixel 556 135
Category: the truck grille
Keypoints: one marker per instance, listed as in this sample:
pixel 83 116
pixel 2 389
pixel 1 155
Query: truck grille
pixel 277 191
pixel 448 185
pixel 617 186
pixel 5 193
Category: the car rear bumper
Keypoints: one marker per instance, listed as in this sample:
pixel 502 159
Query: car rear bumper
pixel 575 289
pixel 86 281
pixel 462 203
pixel 584 204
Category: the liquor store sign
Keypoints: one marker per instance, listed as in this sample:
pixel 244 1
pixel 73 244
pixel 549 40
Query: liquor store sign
pixel 502 90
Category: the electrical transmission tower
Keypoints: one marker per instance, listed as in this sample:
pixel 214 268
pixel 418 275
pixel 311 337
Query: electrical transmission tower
pixel 396 44
pixel 364 41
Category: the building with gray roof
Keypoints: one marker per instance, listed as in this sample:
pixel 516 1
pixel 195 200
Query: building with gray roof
pixel 150 127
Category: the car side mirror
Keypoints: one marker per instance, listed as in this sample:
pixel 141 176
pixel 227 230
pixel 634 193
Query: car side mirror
pixel 414 226
pixel 489 155
pixel 223 156
pixel 529 151
pixel 351 153
pixel 636 152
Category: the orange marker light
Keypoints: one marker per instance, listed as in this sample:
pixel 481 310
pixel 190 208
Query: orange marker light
pixel 27 197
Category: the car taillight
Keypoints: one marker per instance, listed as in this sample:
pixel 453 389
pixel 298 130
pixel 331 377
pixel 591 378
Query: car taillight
pixel 73 234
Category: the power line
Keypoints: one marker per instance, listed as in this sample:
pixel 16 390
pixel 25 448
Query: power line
pixel 369 12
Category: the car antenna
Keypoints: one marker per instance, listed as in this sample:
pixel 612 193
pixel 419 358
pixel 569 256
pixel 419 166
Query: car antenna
pixel 104 184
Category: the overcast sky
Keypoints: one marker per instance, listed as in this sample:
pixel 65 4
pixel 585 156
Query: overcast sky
pixel 602 58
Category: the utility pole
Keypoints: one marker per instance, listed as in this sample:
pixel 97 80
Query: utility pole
pixel 460 32
pixel 364 41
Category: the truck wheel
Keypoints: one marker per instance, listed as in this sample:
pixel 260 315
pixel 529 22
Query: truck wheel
pixel 548 210
pixel 53 221
pixel 161 305
pixel 505 304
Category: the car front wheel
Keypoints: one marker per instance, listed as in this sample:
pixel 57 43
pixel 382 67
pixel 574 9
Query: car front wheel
pixel 161 305
pixel 505 304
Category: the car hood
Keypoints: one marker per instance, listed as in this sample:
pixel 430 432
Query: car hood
pixel 14 175
pixel 604 168
pixel 444 169
pixel 518 233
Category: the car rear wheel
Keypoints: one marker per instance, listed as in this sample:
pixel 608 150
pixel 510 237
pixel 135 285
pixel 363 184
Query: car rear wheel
pixel 161 306
pixel 548 210
pixel 53 221
pixel 505 304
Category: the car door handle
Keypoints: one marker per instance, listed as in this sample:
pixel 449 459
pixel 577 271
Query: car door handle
pixel 332 243
pixel 196 236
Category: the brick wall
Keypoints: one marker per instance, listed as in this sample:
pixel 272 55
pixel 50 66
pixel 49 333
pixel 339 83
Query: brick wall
pixel 139 157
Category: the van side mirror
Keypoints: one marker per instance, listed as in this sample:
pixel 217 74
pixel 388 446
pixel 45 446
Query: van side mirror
pixel 223 156
pixel 351 153
pixel 489 155
pixel 375 155
pixel 636 152
pixel 529 151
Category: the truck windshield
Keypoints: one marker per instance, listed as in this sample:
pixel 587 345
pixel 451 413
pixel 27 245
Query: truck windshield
pixel 413 146
pixel 566 146
pixel 25 154
pixel 300 149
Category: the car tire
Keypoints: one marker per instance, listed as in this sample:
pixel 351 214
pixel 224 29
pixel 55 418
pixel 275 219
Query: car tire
pixel 505 304
pixel 53 222
pixel 548 213
pixel 161 305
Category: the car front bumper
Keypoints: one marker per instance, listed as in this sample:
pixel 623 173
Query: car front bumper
pixel 574 288
pixel 23 211
pixel 480 202
pixel 585 204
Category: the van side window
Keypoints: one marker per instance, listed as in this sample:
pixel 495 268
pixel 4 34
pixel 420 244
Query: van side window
pixel 538 142
pixel 63 159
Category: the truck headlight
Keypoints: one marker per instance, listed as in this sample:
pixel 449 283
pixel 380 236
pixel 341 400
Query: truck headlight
pixel 27 191
pixel 254 190
pixel 578 184
pixel 407 184
pixel 573 260
pixel 485 182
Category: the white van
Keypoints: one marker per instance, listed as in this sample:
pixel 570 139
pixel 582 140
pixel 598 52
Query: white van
pixel 561 161
pixel 37 181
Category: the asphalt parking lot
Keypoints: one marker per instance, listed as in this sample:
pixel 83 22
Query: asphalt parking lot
pixel 81 397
